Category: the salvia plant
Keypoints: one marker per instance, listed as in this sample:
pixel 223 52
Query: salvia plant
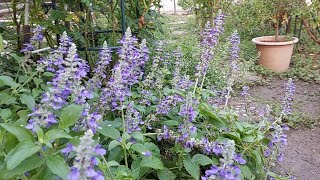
pixel 132 122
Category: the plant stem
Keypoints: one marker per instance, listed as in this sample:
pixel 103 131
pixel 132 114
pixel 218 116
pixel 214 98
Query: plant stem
pixel 195 86
pixel 124 131
pixel 202 82
pixel 105 161
pixel 150 134
pixel 17 90
pixel 227 99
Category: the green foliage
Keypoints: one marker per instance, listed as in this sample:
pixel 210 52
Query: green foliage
pixel 39 152
pixel 70 115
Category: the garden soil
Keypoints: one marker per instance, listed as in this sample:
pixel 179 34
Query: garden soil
pixel 302 154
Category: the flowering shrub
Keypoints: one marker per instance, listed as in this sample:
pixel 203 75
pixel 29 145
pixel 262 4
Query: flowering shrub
pixel 136 124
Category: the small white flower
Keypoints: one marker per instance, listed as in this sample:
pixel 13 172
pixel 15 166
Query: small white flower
pixel 308 2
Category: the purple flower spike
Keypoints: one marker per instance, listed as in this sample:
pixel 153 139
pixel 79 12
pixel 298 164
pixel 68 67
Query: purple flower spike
pixel 287 100
pixel 133 119
pixel 68 149
pixel 238 158
pixel 36 38
pixel 85 160
pixel 210 37
pixel 100 72
pixel 99 150
pixel 74 174
pixel 166 104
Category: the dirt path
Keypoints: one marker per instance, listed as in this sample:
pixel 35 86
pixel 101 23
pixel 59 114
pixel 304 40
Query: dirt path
pixel 302 154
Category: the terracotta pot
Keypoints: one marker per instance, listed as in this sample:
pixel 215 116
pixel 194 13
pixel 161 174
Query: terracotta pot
pixel 275 55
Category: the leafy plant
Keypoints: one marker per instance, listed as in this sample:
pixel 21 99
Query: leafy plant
pixel 137 124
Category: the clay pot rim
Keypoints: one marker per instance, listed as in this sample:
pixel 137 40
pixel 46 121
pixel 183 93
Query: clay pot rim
pixel 259 40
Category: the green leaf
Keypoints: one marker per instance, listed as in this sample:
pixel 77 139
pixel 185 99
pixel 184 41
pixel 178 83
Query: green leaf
pixel 27 100
pixel 109 132
pixel 58 166
pixel 21 152
pixel 234 136
pixel 9 81
pixel 37 81
pixel 213 118
pixel 113 163
pixel 166 174
pixel 246 172
pixel 192 168
pixel 39 133
pixel 56 134
pixel 113 144
pixel 137 135
pixel 1 43
pixel 248 139
pixel 170 123
pixel 29 164
pixel 116 154
pixel 21 133
pixel 5 113
pixel 239 126
pixel 23 79
pixel 258 161
pixel 152 162
pixel 48 74
pixel 140 108
pixel 7 99
pixel 70 115
pixel 201 159
pixel 139 148
pixel 23 116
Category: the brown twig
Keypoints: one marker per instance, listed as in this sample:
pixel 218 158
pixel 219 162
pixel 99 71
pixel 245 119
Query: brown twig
pixel 313 37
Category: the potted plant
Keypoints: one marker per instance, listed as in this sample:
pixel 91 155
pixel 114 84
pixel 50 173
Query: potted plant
pixel 276 51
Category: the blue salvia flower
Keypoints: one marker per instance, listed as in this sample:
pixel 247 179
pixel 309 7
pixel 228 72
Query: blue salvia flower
pixel 88 120
pixel 36 38
pixel 279 139
pixel 38 35
pixel 185 130
pixel 288 98
pixel 125 74
pixel 155 78
pixel 187 110
pixel 210 37
pixel 54 61
pixel 66 82
pixel 144 53
pixel 117 89
pixel 234 50
pixel 65 43
pixel 147 154
pixel 179 81
pixel 227 169
pixel 147 97
pixel 130 54
pixel 42 117
pixel 168 103
pixel 100 72
pixel 85 159
pixel 133 119
pixel 166 134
